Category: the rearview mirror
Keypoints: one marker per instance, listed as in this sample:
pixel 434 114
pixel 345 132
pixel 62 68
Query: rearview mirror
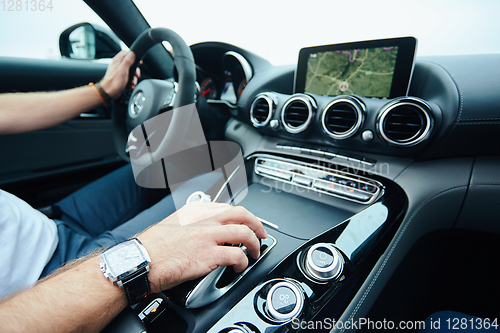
pixel 88 41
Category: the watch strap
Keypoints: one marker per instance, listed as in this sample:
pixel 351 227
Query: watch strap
pixel 137 287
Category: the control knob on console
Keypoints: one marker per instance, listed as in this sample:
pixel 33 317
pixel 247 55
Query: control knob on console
pixel 284 301
pixel 324 262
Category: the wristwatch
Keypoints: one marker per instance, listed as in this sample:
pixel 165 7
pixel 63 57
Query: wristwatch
pixel 127 266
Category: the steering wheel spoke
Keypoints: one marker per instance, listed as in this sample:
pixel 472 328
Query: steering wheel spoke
pixel 151 97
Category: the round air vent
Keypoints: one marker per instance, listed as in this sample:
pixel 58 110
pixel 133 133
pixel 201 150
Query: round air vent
pixel 297 113
pixel 261 110
pixel 406 122
pixel 342 118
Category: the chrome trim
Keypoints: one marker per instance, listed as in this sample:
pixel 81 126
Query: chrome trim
pixel 137 101
pixel 358 108
pixel 325 153
pixel 154 304
pixel 333 271
pixel 226 103
pixel 206 290
pixel 375 195
pixel 197 92
pixel 270 103
pixel 298 306
pixel 422 135
pixel 310 104
pixel 269 224
pixel 235 330
pixel 247 68
pixel 91 115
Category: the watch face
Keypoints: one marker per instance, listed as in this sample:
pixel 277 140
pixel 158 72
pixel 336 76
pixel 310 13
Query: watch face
pixel 123 258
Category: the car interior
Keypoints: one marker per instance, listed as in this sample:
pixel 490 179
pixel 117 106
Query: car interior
pixel 375 172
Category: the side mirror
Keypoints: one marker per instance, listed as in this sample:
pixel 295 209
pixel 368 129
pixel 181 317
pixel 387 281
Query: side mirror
pixel 88 41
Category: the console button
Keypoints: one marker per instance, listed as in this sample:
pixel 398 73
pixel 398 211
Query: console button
pixel 302 180
pixel 367 136
pixel 322 257
pixel 353 184
pixel 356 194
pixel 324 262
pixel 368 188
pixel 343 190
pixel 284 301
pixel 278 174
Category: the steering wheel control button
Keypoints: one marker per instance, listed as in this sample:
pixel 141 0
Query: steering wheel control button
pixel 324 262
pixel 284 301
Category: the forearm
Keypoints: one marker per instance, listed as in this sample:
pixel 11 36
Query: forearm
pixel 182 247
pixel 24 112
pixel 77 300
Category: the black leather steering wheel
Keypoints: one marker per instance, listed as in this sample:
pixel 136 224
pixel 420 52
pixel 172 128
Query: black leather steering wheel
pixel 150 96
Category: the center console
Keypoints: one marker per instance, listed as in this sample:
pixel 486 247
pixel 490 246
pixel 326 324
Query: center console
pixel 327 226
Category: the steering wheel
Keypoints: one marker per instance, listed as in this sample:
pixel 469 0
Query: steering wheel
pixel 151 96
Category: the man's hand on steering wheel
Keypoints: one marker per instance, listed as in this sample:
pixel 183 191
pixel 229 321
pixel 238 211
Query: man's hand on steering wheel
pixel 116 77
pixel 151 96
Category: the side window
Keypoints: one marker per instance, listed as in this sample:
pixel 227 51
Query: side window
pixel 31 28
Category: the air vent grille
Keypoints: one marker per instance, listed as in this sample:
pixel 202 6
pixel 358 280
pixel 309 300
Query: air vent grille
pixel 405 123
pixel 297 114
pixel 261 111
pixel 342 118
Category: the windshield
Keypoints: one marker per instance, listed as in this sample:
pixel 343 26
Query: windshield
pixel 277 30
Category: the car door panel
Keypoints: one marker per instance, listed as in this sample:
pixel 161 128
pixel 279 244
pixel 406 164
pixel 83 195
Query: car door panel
pixel 23 75
pixel 77 144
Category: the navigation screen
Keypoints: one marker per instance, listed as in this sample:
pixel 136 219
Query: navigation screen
pixel 378 68
pixel 362 72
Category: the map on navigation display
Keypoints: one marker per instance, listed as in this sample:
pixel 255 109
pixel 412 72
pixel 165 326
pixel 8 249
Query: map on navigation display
pixel 363 72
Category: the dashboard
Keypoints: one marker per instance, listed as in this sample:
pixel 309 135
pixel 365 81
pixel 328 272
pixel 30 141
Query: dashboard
pixel 347 180
pixel 433 114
